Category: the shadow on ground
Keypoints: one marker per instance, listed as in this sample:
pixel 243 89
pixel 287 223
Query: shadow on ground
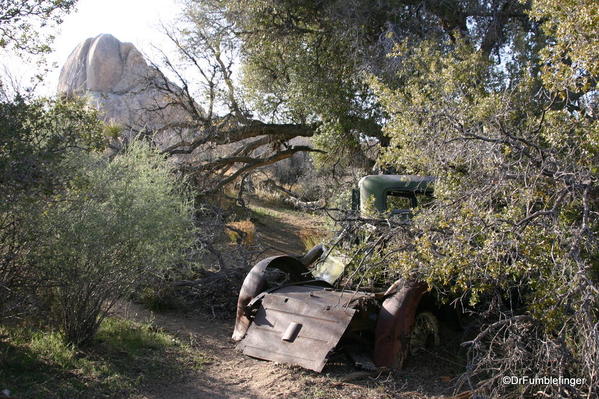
pixel 277 236
pixel 232 375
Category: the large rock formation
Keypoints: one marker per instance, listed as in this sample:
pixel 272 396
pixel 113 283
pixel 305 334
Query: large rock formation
pixel 116 79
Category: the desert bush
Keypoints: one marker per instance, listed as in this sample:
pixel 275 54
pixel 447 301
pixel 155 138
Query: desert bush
pixel 116 224
pixel 35 136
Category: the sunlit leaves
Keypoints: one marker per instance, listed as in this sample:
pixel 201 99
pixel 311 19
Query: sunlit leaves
pixel 572 57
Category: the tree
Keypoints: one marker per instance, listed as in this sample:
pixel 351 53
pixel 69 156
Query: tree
pixel 571 58
pixel 282 69
pixel 24 32
pixel 305 60
pixel 221 140
pixel 512 232
pixel 21 20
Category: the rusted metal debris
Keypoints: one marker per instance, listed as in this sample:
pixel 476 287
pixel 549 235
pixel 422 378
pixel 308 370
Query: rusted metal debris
pixel 395 323
pixel 255 283
pixel 300 324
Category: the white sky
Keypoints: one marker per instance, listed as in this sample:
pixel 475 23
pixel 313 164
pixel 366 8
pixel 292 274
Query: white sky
pixel 135 21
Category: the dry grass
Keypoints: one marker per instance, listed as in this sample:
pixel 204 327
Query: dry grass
pixel 247 229
pixel 269 196
pixel 311 237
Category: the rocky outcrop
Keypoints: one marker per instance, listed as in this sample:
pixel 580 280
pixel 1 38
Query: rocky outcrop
pixel 116 79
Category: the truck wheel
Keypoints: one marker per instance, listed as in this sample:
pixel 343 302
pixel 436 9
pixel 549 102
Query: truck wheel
pixel 425 332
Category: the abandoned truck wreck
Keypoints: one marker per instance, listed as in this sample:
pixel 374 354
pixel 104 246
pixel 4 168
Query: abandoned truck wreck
pixel 302 321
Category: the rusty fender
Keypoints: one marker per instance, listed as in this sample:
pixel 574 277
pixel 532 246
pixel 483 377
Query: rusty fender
pixel 255 282
pixel 395 323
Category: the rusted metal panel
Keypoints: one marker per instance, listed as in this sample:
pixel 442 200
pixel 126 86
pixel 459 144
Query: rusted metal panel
pixel 255 283
pixel 322 296
pixel 314 319
pixel 396 322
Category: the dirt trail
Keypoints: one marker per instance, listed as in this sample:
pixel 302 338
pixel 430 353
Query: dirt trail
pixel 284 231
pixel 231 375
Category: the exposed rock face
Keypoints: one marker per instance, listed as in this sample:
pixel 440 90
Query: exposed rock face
pixel 116 79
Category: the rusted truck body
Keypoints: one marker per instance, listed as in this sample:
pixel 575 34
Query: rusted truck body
pixel 302 320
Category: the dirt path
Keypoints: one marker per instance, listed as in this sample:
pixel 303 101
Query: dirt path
pixel 231 375
pixel 285 231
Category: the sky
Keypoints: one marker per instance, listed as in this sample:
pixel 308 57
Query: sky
pixel 135 21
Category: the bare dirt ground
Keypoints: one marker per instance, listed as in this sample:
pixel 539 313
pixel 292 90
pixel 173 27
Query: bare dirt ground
pixel 284 231
pixel 231 375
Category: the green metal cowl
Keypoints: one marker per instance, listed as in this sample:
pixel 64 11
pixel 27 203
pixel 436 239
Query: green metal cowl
pixel 379 187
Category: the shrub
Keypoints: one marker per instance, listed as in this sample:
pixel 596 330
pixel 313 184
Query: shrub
pixel 35 136
pixel 116 224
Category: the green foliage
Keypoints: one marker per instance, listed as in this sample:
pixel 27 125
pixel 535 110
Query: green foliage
pixel 306 61
pixel 21 20
pixel 571 59
pixel 283 75
pixel 295 68
pixel 78 230
pixel 513 229
pixel 35 138
pixel 36 135
pixel 115 225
